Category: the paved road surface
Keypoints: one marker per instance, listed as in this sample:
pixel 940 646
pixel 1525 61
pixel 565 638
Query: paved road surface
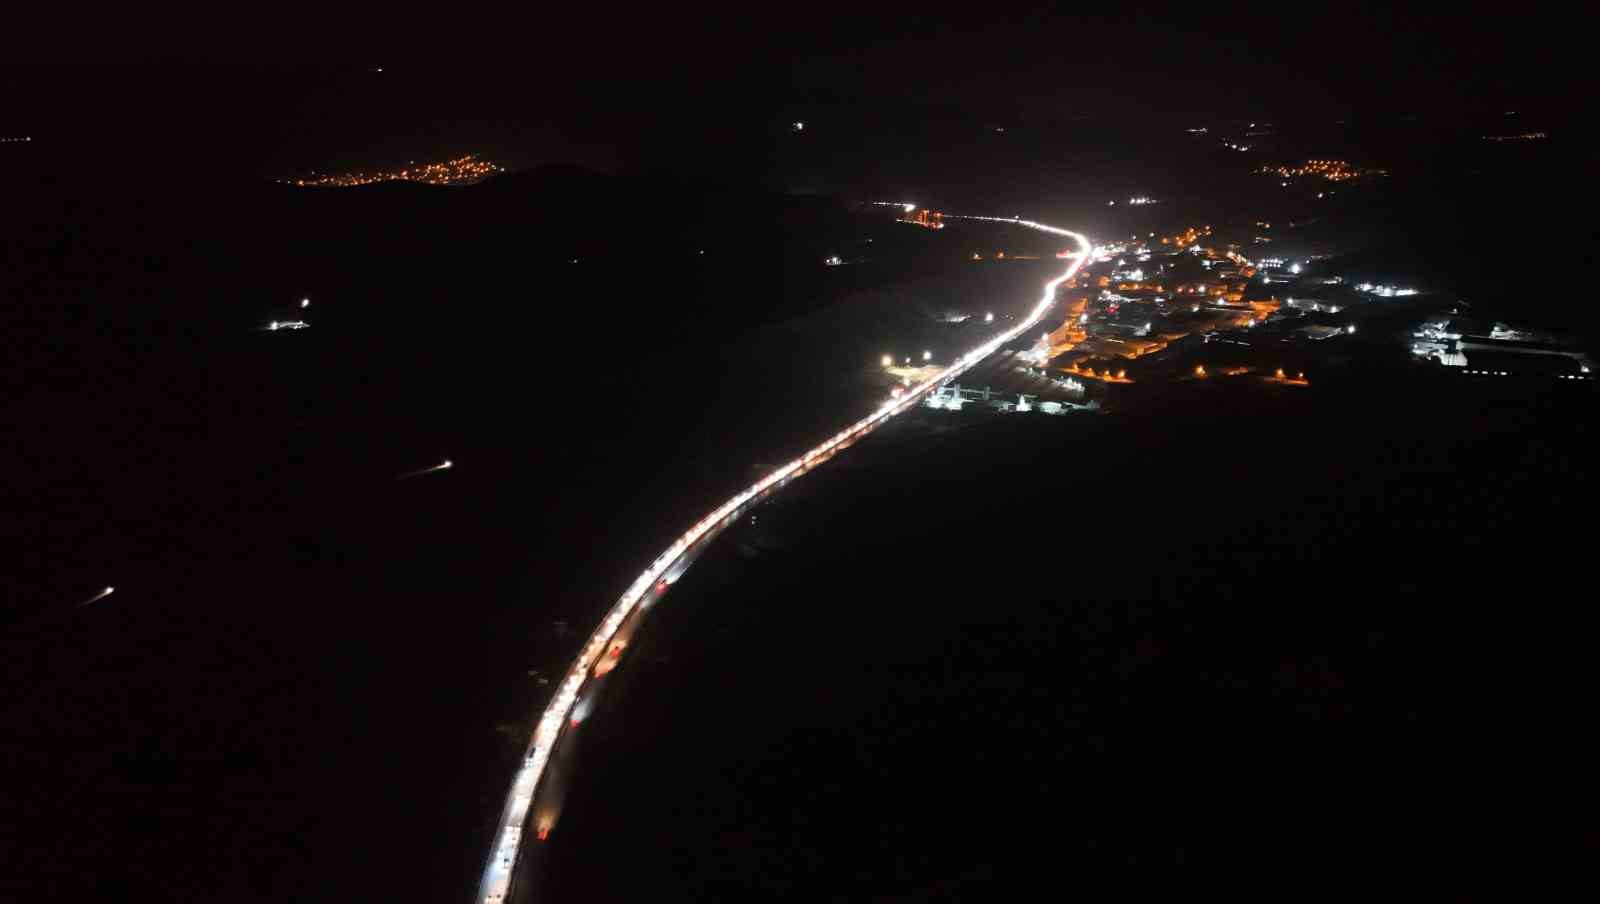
pixel 605 644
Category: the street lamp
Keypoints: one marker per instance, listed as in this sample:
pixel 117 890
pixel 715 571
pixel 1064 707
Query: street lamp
pixel 888 361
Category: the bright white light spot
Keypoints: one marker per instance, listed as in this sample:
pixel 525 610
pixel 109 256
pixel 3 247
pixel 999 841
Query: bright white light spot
pixel 273 325
pixel 305 302
pixel 910 207
pixel 989 317
pixel 110 589
pixel 888 361
pixel 1294 268
pixel 927 355
pixel 446 463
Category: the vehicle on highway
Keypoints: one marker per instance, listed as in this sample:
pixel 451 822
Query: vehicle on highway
pixel 609 660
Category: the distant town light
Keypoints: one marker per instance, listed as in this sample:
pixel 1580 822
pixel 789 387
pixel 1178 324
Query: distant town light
pixel 888 361
pixel 927 355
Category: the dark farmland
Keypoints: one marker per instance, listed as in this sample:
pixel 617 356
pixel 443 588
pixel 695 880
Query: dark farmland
pixel 1245 643
pixel 312 672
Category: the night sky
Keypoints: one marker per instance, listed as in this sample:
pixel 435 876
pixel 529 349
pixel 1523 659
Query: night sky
pixel 705 91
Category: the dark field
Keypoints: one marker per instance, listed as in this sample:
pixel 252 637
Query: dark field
pixel 1235 645
pixel 311 672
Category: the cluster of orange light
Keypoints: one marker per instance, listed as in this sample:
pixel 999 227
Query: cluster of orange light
pixel 460 171
pixel 1185 238
pixel 1121 376
pixel 929 219
pixel 1278 376
pixel 1331 170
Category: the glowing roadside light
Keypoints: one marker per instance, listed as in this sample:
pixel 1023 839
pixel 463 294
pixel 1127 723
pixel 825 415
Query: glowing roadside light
pixel 989 317
pixel 273 325
pixel 109 589
pixel 888 361
pixel 909 207
pixel 446 464
pixel 927 355
pixel 305 302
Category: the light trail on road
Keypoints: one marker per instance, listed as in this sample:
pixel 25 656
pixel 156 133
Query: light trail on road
pixel 98 597
pixel 506 849
pixel 441 466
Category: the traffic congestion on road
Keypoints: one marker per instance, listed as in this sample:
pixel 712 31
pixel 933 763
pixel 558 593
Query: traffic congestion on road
pixel 605 645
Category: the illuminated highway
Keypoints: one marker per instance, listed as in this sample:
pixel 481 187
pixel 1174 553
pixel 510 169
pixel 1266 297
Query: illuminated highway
pixel 605 644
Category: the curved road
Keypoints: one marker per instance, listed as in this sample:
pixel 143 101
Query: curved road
pixel 594 659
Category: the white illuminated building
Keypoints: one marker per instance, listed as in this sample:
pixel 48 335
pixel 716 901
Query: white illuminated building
pixel 1383 291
